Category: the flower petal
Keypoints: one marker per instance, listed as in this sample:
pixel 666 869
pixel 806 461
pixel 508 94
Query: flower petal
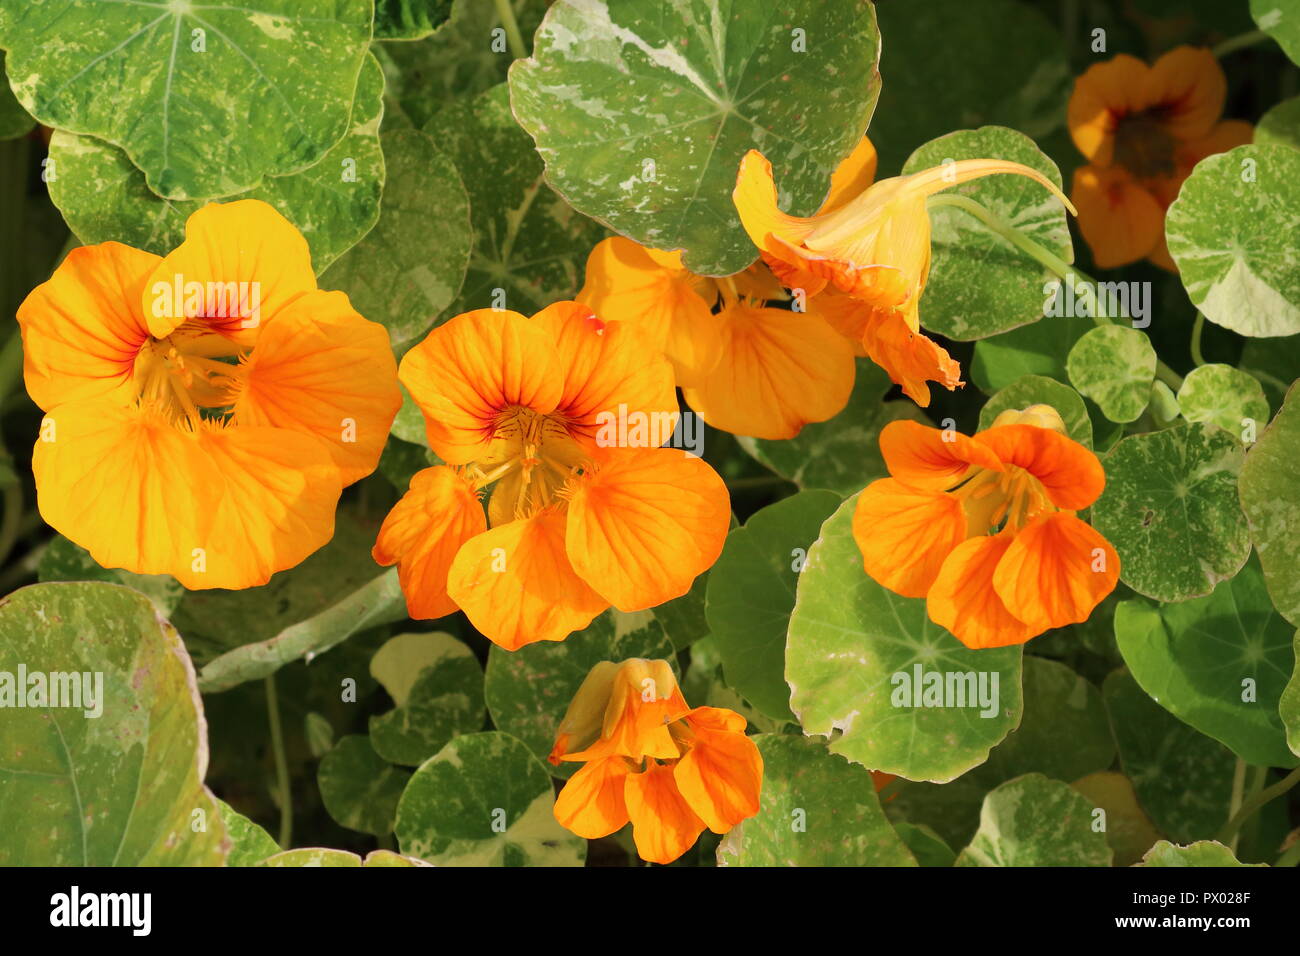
pixel 1056 571
pixel 851 177
pixel 592 803
pixel 925 457
pixel 467 372
pixel 323 369
pixel 422 534
pixel 1105 93
pixel 905 534
pixel 644 524
pixel 82 328
pixel 721 776
pixel 963 599
pixel 1189 87
pixel 910 358
pixel 1120 220
pixel 779 371
pixel 516 585
pixel 663 824
pixel 1071 474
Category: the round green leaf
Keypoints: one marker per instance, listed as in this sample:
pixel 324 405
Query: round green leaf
pixel 1129 830
pixel 979 283
pixel 359 789
pixel 1270 497
pixel 1224 396
pixel 1231 232
pixel 643 112
pixel 104 763
pixel 854 647
pixel 1034 821
pixel 926 846
pixel 952 64
pixel 529 690
pixel 1218 663
pixel 1280 19
pixel 64 561
pixel 530 246
pixel 484 800
pixel 842 454
pixel 409 19
pixel 1280 125
pixel 250 844
pixel 1183 779
pixel 1288 705
pixel 14 120
pixel 403 273
pixel 1114 365
pixel 817 809
pixel 445 700
pixel 333 203
pixel 1201 853
pixel 1040 390
pixel 207 99
pixel 751 594
pixel 1170 509
pixel 1038 349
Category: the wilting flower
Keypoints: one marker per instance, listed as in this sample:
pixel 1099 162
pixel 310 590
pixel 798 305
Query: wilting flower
pixel 652 760
pixel 578 519
pixel 205 409
pixel 1142 129
pixel 871 244
pixel 984 527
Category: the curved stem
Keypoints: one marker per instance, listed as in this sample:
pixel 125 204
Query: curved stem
pixel 1236 796
pixel 1252 804
pixel 1197 329
pixel 281 764
pixel 513 36
pixel 1239 42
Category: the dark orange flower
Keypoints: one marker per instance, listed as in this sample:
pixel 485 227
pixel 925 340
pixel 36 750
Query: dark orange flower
pixel 652 760
pixel 984 527
pixel 1142 129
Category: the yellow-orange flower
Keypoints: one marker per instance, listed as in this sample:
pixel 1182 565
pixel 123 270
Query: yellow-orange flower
pixel 985 529
pixel 582 515
pixel 870 244
pixel 204 409
pixel 1142 129
pixel 650 759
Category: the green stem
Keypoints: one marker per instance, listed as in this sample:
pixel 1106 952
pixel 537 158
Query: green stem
pixel 1252 804
pixel 513 36
pixel 1084 287
pixel 1236 796
pixel 1197 329
pixel 1267 379
pixel 1239 42
pixel 281 764
pixel 1291 856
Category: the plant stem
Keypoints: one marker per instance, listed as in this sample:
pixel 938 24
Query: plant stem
pixel 1239 42
pixel 1252 804
pixel 1291 856
pixel 1197 329
pixel 1238 793
pixel 513 36
pixel 281 764
pixel 1084 287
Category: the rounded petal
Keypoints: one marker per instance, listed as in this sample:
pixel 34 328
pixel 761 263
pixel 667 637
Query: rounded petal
pixel 215 508
pixel 1189 87
pixel 852 176
pixel 247 243
pixel 1071 474
pixel 910 358
pixel 779 371
pixel 645 523
pixel 1120 220
pixel 82 328
pixel 592 803
pixel 905 534
pixel 1056 571
pixel 846 315
pixel 663 824
pixel 607 368
pixel 1104 94
pixel 755 199
pixel 516 585
pixel 963 599
pixel 323 369
pixel 721 776
pixel 925 457
pixel 422 534
pixel 466 372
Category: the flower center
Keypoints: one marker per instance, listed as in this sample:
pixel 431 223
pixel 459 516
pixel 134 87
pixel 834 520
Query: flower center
pixel 992 500
pixel 530 459
pixel 187 373
pixel 1143 146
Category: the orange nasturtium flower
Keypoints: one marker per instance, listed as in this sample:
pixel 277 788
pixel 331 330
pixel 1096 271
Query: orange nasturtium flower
pixel 561 414
pixel 204 409
pixel 869 248
pixel 1142 129
pixel 650 759
pixel 984 527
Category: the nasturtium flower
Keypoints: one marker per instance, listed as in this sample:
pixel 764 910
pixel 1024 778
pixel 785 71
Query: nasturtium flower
pixel 1142 129
pixel 984 527
pixel 650 759
pixel 204 409
pixel 561 416
pixel 869 247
